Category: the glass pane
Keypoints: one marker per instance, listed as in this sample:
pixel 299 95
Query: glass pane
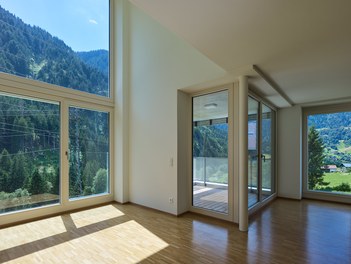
pixel 63 42
pixel 253 135
pixel 210 151
pixel 267 153
pixel 329 153
pixel 88 152
pixel 30 153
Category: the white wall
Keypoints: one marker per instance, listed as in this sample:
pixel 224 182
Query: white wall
pixel 290 152
pixel 184 159
pixel 160 64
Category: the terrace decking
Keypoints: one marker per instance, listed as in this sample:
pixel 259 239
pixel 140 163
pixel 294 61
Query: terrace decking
pixel 215 199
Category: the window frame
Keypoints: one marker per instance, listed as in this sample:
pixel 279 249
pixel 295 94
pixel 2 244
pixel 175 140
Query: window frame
pixel 311 194
pixel 48 100
pixel 99 108
pixel 22 87
pixel 231 211
pixel 263 202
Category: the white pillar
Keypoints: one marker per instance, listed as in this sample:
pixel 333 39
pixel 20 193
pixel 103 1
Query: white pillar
pixel 243 154
pixel 120 84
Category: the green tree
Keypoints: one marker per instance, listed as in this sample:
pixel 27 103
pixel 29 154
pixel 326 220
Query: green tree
pixel 23 142
pixel 37 184
pixel 315 158
pixel 89 172
pixel 19 172
pixel 5 160
pixel 5 170
pixel 100 181
pixel 210 141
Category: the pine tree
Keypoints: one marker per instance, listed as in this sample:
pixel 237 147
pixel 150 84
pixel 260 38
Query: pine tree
pixel 37 184
pixel 89 172
pixel 20 123
pixel 5 170
pixel 315 158
pixel 19 172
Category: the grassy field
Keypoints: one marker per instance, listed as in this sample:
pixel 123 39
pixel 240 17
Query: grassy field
pixel 336 179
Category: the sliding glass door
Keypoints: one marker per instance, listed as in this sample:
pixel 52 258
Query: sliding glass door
pixel 267 150
pixel 253 150
pixel 210 152
pixel 261 145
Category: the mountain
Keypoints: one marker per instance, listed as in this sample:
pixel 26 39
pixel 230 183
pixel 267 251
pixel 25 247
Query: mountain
pixel 97 59
pixel 321 121
pixel 333 128
pixel 32 52
pixel 335 131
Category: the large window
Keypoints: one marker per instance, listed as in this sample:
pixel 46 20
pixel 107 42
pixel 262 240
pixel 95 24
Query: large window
pixel 63 42
pixel 55 106
pixel 30 153
pixel 89 152
pixel 328 152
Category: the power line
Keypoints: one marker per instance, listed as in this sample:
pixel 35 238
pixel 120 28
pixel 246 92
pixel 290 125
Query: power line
pixel 47 134
pixel 33 115
pixel 4 123
pixel 29 152
pixel 26 102
pixel 29 133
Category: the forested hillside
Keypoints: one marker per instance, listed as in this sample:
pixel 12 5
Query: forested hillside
pixel 210 141
pixel 335 131
pixel 31 52
pixel 98 59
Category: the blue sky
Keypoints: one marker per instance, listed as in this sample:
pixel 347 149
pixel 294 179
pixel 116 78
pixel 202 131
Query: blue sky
pixel 81 24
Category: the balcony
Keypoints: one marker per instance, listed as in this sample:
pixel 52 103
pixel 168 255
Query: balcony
pixel 210 185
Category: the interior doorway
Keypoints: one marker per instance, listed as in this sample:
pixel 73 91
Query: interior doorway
pixel 210 152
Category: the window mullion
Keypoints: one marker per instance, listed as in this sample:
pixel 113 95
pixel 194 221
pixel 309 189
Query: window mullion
pixel 64 154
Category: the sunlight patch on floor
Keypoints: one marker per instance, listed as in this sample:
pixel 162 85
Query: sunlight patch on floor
pixel 93 216
pixel 26 233
pixel 128 242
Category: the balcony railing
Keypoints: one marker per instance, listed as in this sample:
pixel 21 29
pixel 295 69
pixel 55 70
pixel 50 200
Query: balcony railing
pixel 210 171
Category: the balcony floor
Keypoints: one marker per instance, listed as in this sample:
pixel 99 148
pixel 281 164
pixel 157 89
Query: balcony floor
pixel 215 199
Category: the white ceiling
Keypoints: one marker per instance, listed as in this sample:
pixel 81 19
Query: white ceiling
pixel 303 45
pixel 218 99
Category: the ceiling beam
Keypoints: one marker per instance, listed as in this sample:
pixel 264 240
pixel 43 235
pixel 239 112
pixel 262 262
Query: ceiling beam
pixel 273 84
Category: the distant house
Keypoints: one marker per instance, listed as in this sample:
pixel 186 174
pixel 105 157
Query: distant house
pixel 330 168
pixel 346 167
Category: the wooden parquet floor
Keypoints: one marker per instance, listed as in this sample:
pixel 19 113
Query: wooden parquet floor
pixel 286 231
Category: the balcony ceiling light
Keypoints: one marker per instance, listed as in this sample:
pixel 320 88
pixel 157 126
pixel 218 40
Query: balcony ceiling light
pixel 210 106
